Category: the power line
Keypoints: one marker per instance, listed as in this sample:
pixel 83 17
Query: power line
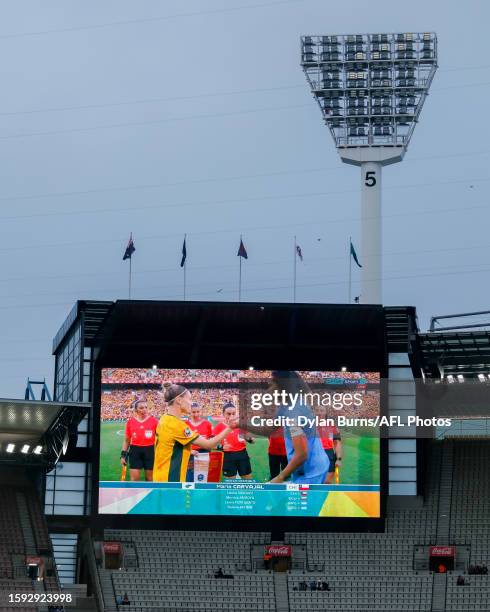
pixel 110 126
pixel 227 201
pixel 200 96
pixel 190 181
pixel 225 266
pixel 147 19
pixel 178 286
pixel 269 287
pixel 150 100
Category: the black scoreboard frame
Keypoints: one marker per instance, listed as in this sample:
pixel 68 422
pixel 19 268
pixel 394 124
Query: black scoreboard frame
pixel 350 335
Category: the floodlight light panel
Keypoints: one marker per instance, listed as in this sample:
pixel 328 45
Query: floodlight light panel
pixel 390 73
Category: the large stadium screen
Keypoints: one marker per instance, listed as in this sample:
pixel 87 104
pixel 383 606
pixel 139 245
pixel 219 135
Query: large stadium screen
pixel 239 442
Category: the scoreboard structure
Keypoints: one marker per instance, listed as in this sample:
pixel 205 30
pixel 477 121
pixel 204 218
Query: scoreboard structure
pixel 226 354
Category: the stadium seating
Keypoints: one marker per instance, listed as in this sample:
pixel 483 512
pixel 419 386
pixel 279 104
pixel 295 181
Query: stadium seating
pixel 178 568
pixel 474 595
pixel 11 538
pixel 470 499
pixel 23 531
pixel 366 571
pixel 371 570
pixel 358 593
pixel 470 522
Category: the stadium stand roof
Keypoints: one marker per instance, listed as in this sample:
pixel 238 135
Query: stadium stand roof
pixel 457 344
pixel 29 424
pixel 457 352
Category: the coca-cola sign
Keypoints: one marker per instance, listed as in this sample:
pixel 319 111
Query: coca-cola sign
pixel 112 548
pixel 442 551
pixel 275 550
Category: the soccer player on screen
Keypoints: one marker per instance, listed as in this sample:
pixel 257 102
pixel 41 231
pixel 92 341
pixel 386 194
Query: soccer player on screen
pixel 174 437
pixel 139 439
pixel 307 462
pixel 236 460
pixel 331 442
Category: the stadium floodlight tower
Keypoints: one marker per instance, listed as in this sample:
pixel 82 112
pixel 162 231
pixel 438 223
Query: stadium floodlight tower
pixel 370 89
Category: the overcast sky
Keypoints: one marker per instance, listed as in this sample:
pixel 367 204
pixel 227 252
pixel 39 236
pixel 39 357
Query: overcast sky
pixel 165 118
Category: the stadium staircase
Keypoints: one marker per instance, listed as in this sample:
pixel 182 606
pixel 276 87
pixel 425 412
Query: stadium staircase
pixel 445 488
pixel 439 585
pixel 281 592
pixel 25 523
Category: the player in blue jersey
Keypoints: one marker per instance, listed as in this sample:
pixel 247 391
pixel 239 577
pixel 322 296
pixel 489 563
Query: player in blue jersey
pixel 307 462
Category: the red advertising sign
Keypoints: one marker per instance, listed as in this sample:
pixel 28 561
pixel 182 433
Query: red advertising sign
pixel 275 550
pixel 442 551
pixel 112 548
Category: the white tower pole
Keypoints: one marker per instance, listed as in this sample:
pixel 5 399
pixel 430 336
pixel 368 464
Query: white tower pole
pixel 371 233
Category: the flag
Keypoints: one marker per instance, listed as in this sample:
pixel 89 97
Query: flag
pixel 184 254
pixel 242 251
pixel 299 252
pixel 130 249
pixel 354 254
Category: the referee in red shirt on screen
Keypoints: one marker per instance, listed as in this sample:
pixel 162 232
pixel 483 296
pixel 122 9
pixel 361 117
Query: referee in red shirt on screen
pixel 236 459
pixel 203 427
pixel 197 423
pixel 138 448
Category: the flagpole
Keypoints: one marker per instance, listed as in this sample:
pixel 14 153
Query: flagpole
pixel 240 276
pixel 130 274
pixel 294 271
pixel 350 270
pixel 185 268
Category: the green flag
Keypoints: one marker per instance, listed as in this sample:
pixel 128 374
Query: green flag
pixel 354 254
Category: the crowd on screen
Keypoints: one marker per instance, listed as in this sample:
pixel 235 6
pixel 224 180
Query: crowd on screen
pixel 186 376
pixel 116 405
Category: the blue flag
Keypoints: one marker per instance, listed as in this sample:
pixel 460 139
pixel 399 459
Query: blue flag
pixel 354 254
pixel 184 254
pixel 130 249
pixel 242 251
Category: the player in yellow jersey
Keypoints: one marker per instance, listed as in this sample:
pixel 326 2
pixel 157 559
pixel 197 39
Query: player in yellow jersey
pixel 174 437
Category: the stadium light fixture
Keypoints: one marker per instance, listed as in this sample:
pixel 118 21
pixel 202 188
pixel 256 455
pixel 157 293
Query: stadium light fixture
pixel 154 367
pixel 460 378
pixel 25 449
pixel 10 448
pixel 370 89
pixel 450 378
pixel 482 377
pixel 37 450
pixel 344 369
